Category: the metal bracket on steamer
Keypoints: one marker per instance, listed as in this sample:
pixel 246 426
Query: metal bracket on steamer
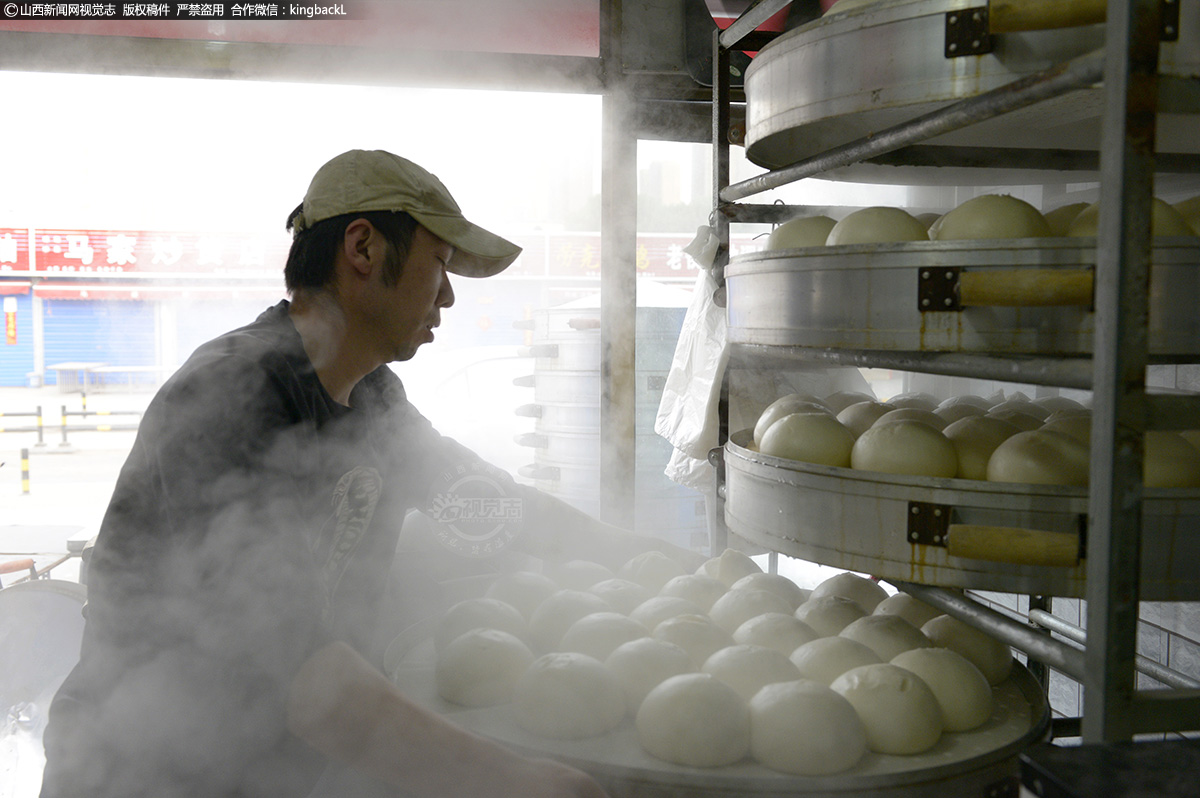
pixel 930 524
pixel 937 289
pixel 954 288
pixel 967 32
pixel 971 31
pixel 541 472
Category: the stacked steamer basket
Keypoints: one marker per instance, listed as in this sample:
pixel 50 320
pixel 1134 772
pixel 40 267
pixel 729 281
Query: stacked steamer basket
pixel 804 96
pixel 1018 297
pixel 566 409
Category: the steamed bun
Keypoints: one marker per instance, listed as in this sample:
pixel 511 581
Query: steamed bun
pixel 643 664
pixel 481 667
pixel 695 634
pixel 905 447
pixel 483 613
pixel 778 630
pixel 829 615
pixel 524 590
pixel 809 437
pixel 826 658
pixel 867 593
pixel 699 589
pixel 738 606
pixel 694 719
pixel 651 570
pixel 899 711
pixel 565 696
pixel 808 231
pixel 993 216
pixel 961 690
pixel 1165 220
pixel 598 634
pixel 747 668
pixel 877 225
pixel 730 566
pixel 784 719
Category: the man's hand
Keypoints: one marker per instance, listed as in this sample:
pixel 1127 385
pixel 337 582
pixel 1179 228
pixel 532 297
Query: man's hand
pixel 340 705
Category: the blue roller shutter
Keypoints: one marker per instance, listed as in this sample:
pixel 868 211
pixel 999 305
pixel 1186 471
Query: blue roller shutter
pixel 116 332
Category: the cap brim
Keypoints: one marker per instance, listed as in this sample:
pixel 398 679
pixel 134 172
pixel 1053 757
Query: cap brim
pixel 477 252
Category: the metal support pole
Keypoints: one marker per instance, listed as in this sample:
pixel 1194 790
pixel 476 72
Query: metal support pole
pixel 618 286
pixel 1159 673
pixel 41 441
pixel 1119 368
pixel 1037 668
pixel 64 427
pixel 1063 658
pixel 25 472
pixel 720 223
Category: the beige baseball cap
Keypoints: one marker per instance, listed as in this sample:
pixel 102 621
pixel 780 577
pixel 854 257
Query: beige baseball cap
pixel 375 180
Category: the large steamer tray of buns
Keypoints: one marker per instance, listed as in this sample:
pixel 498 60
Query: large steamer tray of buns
pixel 965 491
pixel 805 95
pixel 992 275
pixel 661 682
pixel 967 533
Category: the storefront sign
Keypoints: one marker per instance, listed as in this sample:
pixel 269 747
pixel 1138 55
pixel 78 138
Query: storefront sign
pixel 148 253
pixel 14 250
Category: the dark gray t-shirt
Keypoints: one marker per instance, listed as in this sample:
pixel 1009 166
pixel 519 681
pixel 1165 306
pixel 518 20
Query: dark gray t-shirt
pixel 254 521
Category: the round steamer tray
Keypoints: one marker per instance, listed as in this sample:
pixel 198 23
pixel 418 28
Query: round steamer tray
pixel 1009 296
pixel 948 532
pixel 850 75
pixel 964 763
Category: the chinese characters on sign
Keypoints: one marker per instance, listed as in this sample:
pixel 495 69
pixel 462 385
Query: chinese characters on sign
pixel 100 252
pixel 14 250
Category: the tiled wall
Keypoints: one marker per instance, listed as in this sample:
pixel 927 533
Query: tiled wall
pixel 1168 633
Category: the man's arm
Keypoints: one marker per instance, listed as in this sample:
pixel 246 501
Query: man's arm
pixel 348 710
pixel 551 528
pixel 554 530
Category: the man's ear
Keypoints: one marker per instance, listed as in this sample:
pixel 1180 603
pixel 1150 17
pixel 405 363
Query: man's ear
pixel 356 244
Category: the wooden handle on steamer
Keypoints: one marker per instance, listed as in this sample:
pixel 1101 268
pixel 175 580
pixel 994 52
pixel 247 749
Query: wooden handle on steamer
pixel 1025 287
pixel 1012 545
pixel 13 566
pixel 1011 16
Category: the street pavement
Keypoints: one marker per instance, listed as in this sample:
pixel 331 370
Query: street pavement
pixel 69 481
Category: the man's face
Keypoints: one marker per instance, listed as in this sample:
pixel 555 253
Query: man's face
pixel 406 312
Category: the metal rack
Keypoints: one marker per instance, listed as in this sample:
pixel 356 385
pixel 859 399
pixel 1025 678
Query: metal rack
pixel 1113 709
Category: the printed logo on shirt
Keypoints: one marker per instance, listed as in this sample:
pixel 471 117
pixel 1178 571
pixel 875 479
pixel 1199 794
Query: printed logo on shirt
pixel 354 501
pixel 476 512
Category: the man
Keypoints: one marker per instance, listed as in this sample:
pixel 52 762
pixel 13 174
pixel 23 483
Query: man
pixel 236 580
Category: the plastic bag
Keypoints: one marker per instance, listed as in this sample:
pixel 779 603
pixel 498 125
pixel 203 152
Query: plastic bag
pixel 687 411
